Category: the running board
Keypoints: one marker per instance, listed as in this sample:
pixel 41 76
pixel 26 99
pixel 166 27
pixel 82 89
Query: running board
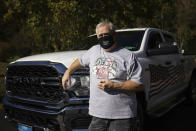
pixel 166 107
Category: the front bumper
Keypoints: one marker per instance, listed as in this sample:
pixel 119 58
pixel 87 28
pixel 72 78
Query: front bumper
pixel 74 117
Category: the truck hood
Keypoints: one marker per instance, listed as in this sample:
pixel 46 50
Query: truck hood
pixel 66 57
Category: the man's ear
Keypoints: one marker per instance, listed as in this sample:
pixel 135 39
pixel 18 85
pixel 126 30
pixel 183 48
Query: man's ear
pixel 115 36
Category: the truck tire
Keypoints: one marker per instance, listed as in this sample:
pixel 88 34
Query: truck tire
pixel 191 95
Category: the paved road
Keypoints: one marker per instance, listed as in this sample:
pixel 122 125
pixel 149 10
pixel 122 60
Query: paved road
pixel 182 118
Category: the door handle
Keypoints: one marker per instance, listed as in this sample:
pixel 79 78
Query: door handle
pixel 168 62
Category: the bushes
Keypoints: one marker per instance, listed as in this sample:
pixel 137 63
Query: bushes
pixel 2 82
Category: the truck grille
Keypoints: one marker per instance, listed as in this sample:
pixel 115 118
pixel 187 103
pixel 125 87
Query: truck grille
pixel 35 82
pixel 32 71
pixel 32 118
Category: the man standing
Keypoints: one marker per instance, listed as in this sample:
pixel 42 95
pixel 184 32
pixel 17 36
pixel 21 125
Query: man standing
pixel 115 76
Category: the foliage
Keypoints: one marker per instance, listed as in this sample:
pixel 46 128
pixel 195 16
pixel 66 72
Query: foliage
pixel 3 67
pixel 2 88
pixel 31 26
pixel 186 23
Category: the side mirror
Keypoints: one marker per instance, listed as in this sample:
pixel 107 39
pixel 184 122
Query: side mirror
pixel 165 45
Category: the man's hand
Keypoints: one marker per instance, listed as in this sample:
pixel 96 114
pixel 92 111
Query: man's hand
pixel 106 84
pixel 66 80
pixel 126 86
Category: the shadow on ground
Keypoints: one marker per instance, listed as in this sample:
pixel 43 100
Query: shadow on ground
pixel 181 118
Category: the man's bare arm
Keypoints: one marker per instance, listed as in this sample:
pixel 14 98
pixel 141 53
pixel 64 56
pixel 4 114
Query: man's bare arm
pixel 66 77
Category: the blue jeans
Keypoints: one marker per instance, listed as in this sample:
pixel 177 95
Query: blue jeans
pixel 99 124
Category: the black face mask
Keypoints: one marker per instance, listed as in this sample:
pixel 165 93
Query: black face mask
pixel 106 41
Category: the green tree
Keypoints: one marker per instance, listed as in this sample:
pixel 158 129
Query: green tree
pixel 31 27
pixel 185 24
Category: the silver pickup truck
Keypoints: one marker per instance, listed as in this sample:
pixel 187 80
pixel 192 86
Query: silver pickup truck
pixel 35 99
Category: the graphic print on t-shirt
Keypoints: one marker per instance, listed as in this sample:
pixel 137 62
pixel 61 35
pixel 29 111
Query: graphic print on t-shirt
pixel 105 68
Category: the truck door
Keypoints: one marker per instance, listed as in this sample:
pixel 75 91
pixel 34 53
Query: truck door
pixel 162 69
pixel 178 72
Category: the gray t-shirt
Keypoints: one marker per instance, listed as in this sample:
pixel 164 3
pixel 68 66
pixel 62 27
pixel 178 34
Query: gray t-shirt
pixel 118 65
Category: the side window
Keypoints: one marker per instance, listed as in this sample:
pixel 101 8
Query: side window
pixel 154 40
pixel 168 38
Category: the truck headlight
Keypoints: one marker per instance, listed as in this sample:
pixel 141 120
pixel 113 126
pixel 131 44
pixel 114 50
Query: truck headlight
pixel 72 84
pixel 80 86
pixel 85 81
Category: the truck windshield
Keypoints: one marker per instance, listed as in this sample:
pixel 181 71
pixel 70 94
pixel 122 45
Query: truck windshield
pixel 131 40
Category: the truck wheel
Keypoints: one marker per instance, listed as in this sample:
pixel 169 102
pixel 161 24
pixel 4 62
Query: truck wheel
pixel 140 117
pixel 192 91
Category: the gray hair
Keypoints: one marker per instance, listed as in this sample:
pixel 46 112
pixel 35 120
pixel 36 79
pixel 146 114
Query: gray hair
pixel 104 23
